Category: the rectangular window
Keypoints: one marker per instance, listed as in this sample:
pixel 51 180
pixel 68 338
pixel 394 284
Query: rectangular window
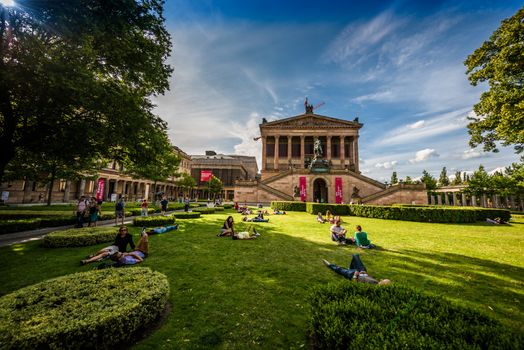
pixel 282 149
pixel 335 150
pixel 295 150
pixel 270 149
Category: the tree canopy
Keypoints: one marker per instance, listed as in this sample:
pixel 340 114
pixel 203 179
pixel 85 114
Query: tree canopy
pixel 500 111
pixel 428 180
pixel 87 68
pixel 443 179
pixel 394 178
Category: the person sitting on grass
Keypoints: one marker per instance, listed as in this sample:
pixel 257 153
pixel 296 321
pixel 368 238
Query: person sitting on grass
pixel 320 219
pixel 123 238
pixel 329 217
pixel 102 254
pixel 251 233
pixel 278 212
pixel 158 230
pixel 136 256
pixel 338 234
pixel 260 217
pixel 356 271
pixel 361 239
pixel 228 227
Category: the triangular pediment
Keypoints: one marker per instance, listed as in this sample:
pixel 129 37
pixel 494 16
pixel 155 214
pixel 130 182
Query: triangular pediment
pixel 311 121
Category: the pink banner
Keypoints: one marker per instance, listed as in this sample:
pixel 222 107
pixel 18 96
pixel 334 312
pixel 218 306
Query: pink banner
pixel 303 188
pixel 100 190
pixel 338 190
pixel 205 175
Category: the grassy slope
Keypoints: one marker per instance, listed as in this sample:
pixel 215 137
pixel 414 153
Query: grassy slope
pixel 237 294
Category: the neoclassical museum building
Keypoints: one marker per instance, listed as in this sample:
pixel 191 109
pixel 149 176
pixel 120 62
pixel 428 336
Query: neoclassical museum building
pixel 315 158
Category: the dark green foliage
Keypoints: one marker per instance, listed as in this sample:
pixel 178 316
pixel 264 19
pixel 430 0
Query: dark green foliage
pixel 30 214
pixel 226 206
pixel 90 310
pixel 350 315
pixel 335 209
pixel 138 212
pixel 150 221
pixel 184 215
pixel 175 206
pixel 219 208
pixel 428 213
pixel 79 237
pixel 204 210
pixel 8 226
pixel 288 206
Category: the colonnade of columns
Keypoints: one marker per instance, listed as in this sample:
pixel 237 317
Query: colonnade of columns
pixel 278 151
pixel 461 199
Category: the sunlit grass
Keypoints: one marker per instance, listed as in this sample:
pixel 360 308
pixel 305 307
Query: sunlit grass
pixel 242 294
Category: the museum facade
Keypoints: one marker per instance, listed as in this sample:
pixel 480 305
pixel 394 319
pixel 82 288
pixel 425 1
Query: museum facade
pixel 315 158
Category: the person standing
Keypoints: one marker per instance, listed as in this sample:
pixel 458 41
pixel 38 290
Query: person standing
pixel 163 204
pixel 94 212
pixel 119 211
pixel 144 207
pixel 81 207
pixel 186 204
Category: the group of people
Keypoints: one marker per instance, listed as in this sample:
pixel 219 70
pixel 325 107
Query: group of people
pixel 330 218
pixel 228 230
pixel 338 234
pixel 87 207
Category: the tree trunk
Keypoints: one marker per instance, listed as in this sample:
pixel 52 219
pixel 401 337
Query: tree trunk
pixel 50 191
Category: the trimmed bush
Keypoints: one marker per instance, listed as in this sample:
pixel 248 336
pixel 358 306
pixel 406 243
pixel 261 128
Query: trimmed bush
pixel 421 214
pixel 219 208
pixel 361 316
pixel 288 206
pixel 175 206
pixel 335 209
pixel 226 206
pixel 184 215
pixel 8 226
pixel 138 211
pixel 97 309
pixel 204 210
pixel 79 237
pixel 150 221
pixel 29 214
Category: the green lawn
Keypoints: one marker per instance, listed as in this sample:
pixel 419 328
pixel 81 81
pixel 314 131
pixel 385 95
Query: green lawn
pixel 241 294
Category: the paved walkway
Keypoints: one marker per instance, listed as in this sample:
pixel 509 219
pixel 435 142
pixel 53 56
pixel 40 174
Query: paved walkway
pixel 9 239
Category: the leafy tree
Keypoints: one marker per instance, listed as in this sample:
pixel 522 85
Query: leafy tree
pixel 516 173
pixel 479 183
pixel 458 178
pixel 500 112
pixel 215 185
pixel 394 178
pixel 428 180
pixel 186 181
pixel 408 180
pixel 87 67
pixel 443 180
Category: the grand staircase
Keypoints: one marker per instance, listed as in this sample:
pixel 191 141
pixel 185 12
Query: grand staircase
pixel 274 191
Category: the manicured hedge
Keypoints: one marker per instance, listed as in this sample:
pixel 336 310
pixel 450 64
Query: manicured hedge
pixel 79 237
pixel 351 315
pixel 335 209
pixel 288 206
pixel 219 208
pixel 226 206
pixel 204 210
pixel 150 221
pixel 184 215
pixel 485 213
pixel 8 226
pixel 175 206
pixel 138 211
pixel 97 309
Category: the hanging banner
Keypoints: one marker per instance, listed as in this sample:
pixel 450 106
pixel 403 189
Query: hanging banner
pixel 303 188
pixel 338 190
pixel 205 175
pixel 100 190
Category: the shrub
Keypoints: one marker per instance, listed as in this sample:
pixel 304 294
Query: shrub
pixel 219 208
pixel 184 215
pixel 361 316
pixel 175 206
pixel 288 206
pixel 138 211
pixel 335 209
pixel 8 226
pixel 226 206
pixel 204 210
pixel 149 221
pixel 90 310
pixel 80 237
pixel 422 214
pixel 29 214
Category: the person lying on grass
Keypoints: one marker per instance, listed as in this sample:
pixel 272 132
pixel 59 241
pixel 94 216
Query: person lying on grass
pixel 356 271
pixel 102 254
pixel 251 233
pixel 361 239
pixel 279 212
pixel 496 221
pixel 228 227
pixel 158 230
pixel 136 256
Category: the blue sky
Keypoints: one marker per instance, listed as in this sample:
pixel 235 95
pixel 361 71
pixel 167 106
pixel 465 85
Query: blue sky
pixel 397 66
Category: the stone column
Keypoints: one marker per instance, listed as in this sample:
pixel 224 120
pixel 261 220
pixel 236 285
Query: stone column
pixel 289 140
pixel 355 159
pixel 494 198
pixel 439 199
pixel 464 199
pixel 350 150
pixel 106 189
pixel 483 201
pixel 82 188
pixel 454 194
pixel 512 202
pixel 328 146
pixel 431 199
pixel 67 189
pixel 446 198
pixel 342 151
pixel 28 188
pixel 263 153
pixel 473 201
pixel 276 159
pixel 302 151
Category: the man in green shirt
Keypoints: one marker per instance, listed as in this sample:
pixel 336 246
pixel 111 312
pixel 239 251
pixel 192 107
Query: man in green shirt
pixel 361 239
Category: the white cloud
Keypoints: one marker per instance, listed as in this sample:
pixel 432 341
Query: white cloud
pixel 471 153
pixel 417 125
pixel 386 165
pixel 423 155
pixel 383 96
pixel 500 169
pixel 246 132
